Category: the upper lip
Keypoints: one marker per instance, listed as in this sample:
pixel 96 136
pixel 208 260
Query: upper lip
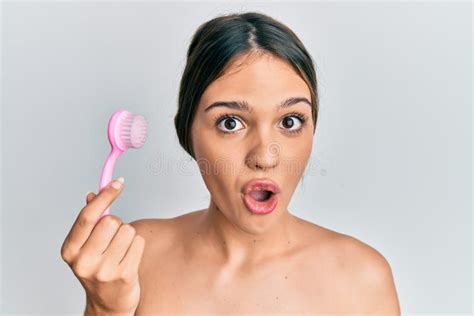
pixel 261 184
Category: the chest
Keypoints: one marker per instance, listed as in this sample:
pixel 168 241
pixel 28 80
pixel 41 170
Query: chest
pixel 177 288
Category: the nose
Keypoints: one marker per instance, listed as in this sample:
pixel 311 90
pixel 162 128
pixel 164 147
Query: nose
pixel 264 154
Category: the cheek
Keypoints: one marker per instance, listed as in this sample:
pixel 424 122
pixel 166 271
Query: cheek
pixel 305 151
pixel 220 179
pixel 221 151
pixel 217 157
pixel 296 159
pixel 203 138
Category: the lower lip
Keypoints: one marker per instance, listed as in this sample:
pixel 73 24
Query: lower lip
pixel 260 207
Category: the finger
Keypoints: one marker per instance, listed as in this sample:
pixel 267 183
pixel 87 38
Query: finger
pixel 66 253
pixel 90 196
pixel 102 235
pixel 133 257
pixel 119 245
pixel 89 215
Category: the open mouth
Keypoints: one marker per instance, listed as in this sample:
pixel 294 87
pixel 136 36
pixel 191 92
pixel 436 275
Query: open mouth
pixel 261 195
pixel 260 201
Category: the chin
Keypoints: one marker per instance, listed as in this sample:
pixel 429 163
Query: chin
pixel 256 224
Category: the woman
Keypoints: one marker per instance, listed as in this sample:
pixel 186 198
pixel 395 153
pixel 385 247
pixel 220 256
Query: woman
pixel 248 106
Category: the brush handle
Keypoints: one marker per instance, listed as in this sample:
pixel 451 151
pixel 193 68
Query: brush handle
pixel 107 172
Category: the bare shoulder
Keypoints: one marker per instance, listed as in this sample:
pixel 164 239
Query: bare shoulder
pixel 149 227
pixel 369 273
pixel 160 235
pixel 158 232
pixel 363 272
pixel 373 272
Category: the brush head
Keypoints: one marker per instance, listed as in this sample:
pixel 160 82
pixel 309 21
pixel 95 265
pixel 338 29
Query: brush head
pixel 127 130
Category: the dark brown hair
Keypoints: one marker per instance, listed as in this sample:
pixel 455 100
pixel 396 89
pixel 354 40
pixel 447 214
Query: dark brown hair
pixel 221 39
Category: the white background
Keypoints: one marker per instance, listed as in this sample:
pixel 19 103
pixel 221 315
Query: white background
pixel 391 162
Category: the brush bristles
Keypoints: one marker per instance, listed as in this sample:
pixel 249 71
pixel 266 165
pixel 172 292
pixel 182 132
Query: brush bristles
pixel 133 131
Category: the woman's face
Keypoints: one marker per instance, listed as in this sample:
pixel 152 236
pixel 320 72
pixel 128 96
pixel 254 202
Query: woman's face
pixel 268 141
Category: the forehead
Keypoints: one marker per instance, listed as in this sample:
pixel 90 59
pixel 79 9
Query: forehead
pixel 258 78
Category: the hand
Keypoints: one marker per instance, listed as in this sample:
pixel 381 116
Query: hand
pixel 105 254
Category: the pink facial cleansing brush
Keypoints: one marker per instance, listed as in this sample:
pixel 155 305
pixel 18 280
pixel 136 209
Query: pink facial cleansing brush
pixel 125 131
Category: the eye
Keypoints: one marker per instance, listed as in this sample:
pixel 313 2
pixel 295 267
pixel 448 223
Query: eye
pixel 293 123
pixel 227 123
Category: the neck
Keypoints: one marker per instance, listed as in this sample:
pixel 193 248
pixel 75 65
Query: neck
pixel 236 247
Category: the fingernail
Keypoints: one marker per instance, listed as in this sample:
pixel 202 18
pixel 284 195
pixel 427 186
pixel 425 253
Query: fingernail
pixel 117 184
pixel 88 192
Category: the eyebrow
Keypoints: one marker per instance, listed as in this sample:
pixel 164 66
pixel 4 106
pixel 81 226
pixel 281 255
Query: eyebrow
pixel 245 107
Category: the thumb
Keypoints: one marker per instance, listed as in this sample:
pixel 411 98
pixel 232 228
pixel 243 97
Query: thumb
pixel 90 196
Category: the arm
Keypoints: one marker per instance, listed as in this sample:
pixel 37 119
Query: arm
pixel 374 281
pixel 382 296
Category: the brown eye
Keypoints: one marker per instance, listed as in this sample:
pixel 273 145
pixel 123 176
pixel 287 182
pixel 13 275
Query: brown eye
pixel 292 123
pixel 228 124
pixel 288 122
